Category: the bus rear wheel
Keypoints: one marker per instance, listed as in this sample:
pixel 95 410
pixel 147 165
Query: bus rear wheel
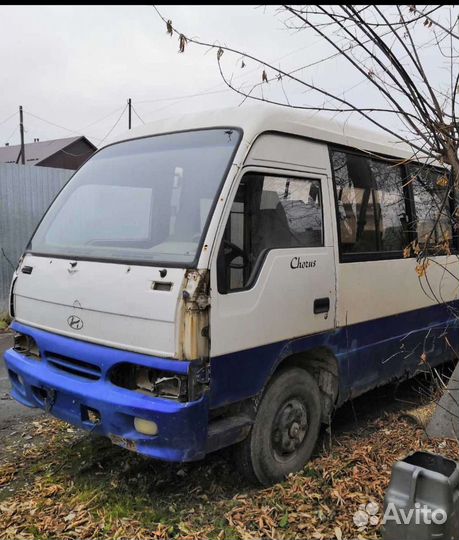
pixel 285 430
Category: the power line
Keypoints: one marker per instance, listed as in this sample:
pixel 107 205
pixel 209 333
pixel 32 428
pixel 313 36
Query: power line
pixel 79 132
pixel 52 123
pixel 250 71
pixel 115 124
pixel 137 114
pixel 211 90
pixel 185 96
pixel 9 118
pixel 58 126
pixel 14 131
pixel 85 153
pixel 101 140
pixel 101 119
pixel 364 80
pixel 322 60
pixel 205 93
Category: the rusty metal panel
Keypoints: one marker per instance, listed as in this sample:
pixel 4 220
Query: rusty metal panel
pixel 25 194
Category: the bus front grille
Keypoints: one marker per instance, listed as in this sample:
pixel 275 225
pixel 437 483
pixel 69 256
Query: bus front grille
pixel 74 366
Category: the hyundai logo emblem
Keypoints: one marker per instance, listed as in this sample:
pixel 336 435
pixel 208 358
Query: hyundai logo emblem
pixel 75 322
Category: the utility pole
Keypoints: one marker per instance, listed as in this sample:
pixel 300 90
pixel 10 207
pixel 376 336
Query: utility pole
pixel 21 129
pixel 129 112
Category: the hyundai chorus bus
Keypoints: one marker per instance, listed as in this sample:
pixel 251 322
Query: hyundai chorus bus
pixel 231 278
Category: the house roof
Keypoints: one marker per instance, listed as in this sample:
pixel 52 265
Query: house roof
pixel 38 151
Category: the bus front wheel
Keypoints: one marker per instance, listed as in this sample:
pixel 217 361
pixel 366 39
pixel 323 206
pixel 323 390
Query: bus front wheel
pixel 285 430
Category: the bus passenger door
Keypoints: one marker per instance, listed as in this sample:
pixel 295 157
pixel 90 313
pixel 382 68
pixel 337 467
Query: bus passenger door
pixel 274 278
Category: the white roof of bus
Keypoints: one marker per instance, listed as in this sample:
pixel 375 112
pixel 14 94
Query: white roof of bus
pixel 258 118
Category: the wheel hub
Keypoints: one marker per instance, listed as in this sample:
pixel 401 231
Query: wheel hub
pixel 289 428
pixel 294 430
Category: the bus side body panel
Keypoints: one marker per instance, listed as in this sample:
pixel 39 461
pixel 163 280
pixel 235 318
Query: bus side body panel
pixel 417 316
pixel 369 354
pixel 389 323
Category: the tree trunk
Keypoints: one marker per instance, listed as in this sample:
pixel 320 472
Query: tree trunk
pixel 445 421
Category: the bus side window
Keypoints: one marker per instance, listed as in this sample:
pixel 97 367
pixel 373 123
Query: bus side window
pixel 432 204
pixel 268 212
pixel 371 204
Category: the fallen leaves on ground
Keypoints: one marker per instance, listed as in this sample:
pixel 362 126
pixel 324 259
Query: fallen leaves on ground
pixel 93 490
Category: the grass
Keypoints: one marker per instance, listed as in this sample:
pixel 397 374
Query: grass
pixel 5 321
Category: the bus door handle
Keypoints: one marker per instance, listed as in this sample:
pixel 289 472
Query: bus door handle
pixel 322 305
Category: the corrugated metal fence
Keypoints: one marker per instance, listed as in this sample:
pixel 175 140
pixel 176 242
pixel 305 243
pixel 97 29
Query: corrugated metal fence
pixel 25 194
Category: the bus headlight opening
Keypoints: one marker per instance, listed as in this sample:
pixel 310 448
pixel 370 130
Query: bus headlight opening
pixel 26 345
pixel 150 381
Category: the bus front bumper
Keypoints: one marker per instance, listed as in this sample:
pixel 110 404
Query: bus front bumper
pixel 102 407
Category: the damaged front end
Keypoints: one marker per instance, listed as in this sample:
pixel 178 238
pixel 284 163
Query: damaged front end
pixel 193 345
pixel 153 405
pixel 158 406
pixel 159 383
pixel 193 323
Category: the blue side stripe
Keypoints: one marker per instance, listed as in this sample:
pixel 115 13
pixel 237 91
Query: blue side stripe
pixel 369 354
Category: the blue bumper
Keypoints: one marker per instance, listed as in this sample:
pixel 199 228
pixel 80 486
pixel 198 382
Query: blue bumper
pixel 182 427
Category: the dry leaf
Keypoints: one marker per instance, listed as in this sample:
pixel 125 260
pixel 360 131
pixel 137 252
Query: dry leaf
pixel 442 181
pixel 421 268
pixel 182 43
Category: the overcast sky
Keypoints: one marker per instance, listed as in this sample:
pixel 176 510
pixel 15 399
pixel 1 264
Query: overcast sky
pixel 74 65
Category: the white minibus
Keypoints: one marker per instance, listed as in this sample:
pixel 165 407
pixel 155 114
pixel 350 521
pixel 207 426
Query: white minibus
pixel 231 278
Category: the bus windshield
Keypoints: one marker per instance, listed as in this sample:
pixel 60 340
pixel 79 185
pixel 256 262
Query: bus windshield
pixel 146 199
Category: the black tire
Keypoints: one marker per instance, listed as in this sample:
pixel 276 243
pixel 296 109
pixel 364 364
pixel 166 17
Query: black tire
pixel 279 443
